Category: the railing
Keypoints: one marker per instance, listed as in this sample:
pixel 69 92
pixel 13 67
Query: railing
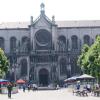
pixel 45 52
pixel 40 52
pixel 55 52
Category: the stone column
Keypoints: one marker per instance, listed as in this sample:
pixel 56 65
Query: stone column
pixel 37 76
pixel 35 73
pixel 32 33
pixel 28 67
pixel 54 36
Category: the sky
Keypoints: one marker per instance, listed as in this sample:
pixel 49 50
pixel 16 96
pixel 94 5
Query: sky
pixel 21 10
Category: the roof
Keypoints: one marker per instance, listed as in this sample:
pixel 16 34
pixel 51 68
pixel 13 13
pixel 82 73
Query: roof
pixel 84 23
pixel 14 25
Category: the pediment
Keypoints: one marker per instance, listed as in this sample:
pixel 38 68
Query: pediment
pixel 42 21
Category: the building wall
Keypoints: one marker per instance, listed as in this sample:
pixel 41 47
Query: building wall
pixel 8 33
pixel 69 55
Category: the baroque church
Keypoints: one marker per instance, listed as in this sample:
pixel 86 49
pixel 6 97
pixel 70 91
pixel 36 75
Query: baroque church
pixel 45 51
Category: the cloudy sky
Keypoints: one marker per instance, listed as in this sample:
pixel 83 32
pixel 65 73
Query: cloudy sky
pixel 21 10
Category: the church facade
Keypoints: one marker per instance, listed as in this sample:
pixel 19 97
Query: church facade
pixel 43 50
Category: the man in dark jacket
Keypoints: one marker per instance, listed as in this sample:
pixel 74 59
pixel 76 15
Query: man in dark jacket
pixel 9 87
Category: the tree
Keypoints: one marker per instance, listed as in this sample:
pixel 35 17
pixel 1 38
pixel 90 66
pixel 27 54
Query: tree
pixel 4 64
pixel 81 59
pixel 90 60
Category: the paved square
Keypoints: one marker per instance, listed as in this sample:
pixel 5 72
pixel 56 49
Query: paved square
pixel 62 94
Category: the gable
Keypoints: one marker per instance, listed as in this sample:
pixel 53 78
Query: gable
pixel 42 22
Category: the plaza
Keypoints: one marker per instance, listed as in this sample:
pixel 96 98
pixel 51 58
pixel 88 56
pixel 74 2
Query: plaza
pixel 61 94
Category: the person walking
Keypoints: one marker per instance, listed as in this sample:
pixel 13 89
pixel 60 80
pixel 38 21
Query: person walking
pixel 24 86
pixel 9 87
pixel 78 86
pixel 29 87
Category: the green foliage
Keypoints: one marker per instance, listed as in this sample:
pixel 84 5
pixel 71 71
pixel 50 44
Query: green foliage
pixel 89 59
pixel 4 64
pixel 82 58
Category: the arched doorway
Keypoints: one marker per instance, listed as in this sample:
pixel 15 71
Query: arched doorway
pixel 43 77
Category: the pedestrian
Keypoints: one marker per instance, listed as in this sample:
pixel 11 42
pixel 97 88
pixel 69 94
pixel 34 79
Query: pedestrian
pixel 0 88
pixel 57 87
pixel 9 87
pixel 88 87
pixel 29 87
pixel 78 85
pixel 24 86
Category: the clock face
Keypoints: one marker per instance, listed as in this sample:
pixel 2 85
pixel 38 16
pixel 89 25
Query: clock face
pixel 43 37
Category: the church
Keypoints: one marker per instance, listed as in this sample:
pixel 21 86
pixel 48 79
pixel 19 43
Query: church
pixel 45 51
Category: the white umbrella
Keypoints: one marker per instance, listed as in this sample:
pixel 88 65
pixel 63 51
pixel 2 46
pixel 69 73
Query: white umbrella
pixel 85 76
pixel 71 79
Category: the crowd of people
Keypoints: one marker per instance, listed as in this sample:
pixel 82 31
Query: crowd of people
pixel 87 88
pixel 29 87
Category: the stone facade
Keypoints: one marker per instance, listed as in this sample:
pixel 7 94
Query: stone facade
pixel 43 50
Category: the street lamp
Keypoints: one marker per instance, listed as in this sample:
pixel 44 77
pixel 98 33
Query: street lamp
pixel 69 63
pixel 83 70
pixel 14 67
pixel 15 64
pixel 69 70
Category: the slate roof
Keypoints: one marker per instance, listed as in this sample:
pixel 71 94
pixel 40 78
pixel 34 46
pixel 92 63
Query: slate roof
pixel 84 23
pixel 14 25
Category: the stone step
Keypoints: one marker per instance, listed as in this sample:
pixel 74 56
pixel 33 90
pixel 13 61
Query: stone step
pixel 46 88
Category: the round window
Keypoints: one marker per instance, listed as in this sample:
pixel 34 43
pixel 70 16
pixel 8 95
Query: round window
pixel 43 37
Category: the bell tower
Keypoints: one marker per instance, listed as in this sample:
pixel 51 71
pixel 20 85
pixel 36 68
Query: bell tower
pixel 42 8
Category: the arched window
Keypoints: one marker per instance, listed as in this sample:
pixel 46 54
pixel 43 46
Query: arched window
pixel 25 44
pixel 2 42
pixel 12 43
pixel 87 39
pixel 23 67
pixel 63 69
pixel 62 43
pixel 74 42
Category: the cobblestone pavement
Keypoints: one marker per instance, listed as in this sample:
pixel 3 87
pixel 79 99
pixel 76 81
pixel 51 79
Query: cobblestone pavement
pixel 62 94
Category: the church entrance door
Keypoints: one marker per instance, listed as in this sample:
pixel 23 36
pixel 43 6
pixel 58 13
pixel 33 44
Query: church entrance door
pixel 43 77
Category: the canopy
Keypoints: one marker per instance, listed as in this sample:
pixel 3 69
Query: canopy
pixel 71 79
pixel 20 81
pixel 3 81
pixel 85 76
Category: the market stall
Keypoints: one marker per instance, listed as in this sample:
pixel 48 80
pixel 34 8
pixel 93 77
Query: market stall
pixel 3 87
